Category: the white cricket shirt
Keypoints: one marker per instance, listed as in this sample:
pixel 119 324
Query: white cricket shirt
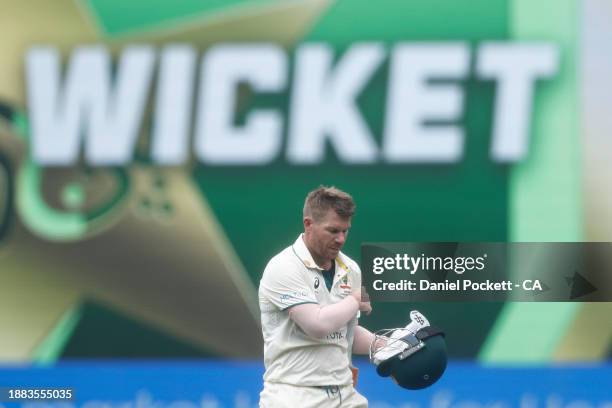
pixel 290 356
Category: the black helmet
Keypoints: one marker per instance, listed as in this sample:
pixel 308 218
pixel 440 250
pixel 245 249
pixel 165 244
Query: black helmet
pixel 414 356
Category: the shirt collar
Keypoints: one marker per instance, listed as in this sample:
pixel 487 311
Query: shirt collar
pixel 301 250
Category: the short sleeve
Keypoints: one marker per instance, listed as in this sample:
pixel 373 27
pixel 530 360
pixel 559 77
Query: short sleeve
pixel 284 285
pixel 354 271
pixel 356 277
pixel 356 274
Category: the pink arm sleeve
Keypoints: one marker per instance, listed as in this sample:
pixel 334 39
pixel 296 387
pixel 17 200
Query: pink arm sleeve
pixel 362 340
pixel 319 321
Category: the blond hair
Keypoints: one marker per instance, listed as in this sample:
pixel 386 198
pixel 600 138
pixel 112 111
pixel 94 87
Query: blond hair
pixel 324 198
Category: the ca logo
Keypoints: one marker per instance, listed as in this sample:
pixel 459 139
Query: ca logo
pixel 316 283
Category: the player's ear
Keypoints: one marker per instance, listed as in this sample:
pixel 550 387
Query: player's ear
pixel 307 222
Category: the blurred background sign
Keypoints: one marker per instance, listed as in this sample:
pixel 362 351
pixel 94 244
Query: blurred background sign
pixel 237 385
pixel 155 155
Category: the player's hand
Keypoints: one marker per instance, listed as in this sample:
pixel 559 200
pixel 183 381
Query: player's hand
pixel 364 301
pixel 357 295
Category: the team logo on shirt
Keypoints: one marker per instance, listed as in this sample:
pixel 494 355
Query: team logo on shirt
pixel 286 299
pixel 345 286
pixel 316 283
pixel 292 297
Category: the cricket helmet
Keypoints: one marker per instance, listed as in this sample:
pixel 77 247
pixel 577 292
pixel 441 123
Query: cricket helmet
pixel 414 356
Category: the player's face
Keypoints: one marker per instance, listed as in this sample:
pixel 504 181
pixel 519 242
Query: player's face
pixel 327 235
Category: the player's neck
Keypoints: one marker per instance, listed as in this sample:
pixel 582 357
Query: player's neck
pixel 323 263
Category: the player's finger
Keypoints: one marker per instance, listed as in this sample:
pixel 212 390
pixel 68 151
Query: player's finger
pixel 366 307
pixel 365 297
